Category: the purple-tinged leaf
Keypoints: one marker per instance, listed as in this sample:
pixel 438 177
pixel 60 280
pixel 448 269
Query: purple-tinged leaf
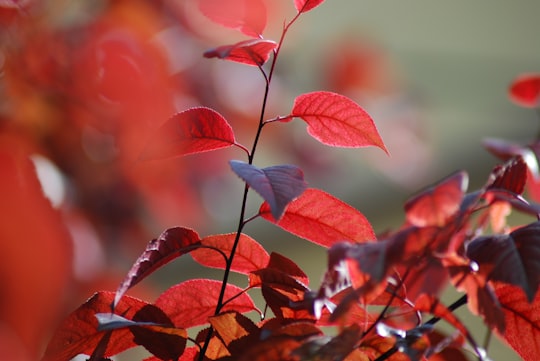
pixel 195 130
pixel 511 176
pixel 251 52
pixel 277 185
pixel 171 244
pixel 511 259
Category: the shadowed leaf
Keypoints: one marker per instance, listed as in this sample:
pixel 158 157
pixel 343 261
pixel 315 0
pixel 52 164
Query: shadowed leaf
pixel 171 244
pixel 435 205
pixel 336 120
pixel 322 219
pixel 249 256
pixel 512 259
pixel 195 130
pixel 192 302
pixel 252 52
pixel 247 16
pixel 78 333
pixel 511 176
pixel 277 185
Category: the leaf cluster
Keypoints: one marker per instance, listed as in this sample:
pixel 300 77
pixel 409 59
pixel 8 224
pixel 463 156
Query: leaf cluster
pixel 379 293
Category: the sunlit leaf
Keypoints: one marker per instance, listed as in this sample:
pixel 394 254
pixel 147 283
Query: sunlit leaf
pixel 232 326
pixel 511 259
pixel 252 52
pixel 192 302
pixel 247 16
pixel 522 321
pixel 195 130
pixel 78 333
pixel 249 256
pixel 525 90
pixel 336 120
pixel 303 6
pixel 322 219
pixel 171 244
pixel 435 205
pixel 277 185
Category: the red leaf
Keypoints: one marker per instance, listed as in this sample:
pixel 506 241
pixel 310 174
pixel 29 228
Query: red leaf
pixel 171 244
pixel 522 321
pixel 511 177
pixel 286 265
pixel 336 120
pixel 433 306
pixel 511 259
pixel 195 130
pixel 231 326
pixel 192 302
pixel 247 16
pixel 435 205
pixel 249 256
pixel 79 334
pixel 322 219
pixel 305 5
pixel 277 185
pixel 252 52
pixel 525 90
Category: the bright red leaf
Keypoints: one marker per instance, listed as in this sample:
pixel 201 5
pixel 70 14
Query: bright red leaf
pixel 511 259
pixel 322 219
pixel 192 302
pixel 79 334
pixel 249 256
pixel 195 130
pixel 277 185
pixel 252 52
pixel 171 244
pixel 336 120
pixel 525 90
pixel 522 321
pixel 433 306
pixel 305 5
pixel 435 205
pixel 247 16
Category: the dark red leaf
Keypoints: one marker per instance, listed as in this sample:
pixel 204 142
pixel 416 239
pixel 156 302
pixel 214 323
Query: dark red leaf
pixel 336 120
pixel 511 259
pixel 78 333
pixel 171 244
pixel 277 185
pixel 195 130
pixel 435 205
pixel 249 256
pixel 510 177
pixel 192 302
pixel 433 306
pixel 522 321
pixel 252 52
pixel 305 5
pixel 334 348
pixel 286 265
pixel 505 150
pixel 278 349
pixel 247 16
pixel 322 219
pixel 164 341
pixel 525 90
